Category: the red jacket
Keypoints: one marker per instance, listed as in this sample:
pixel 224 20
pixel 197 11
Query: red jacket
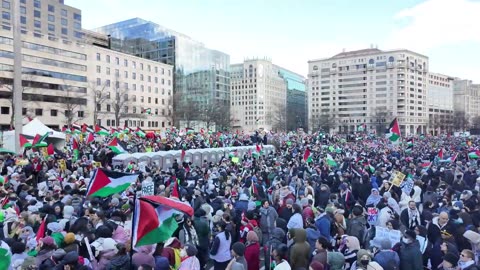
pixel 252 256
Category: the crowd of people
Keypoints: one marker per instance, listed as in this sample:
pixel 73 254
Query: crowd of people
pixel 319 202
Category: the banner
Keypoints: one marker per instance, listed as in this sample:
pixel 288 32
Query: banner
pixel 397 178
pixel 407 186
pixel 372 213
pixel 394 235
pixel 62 165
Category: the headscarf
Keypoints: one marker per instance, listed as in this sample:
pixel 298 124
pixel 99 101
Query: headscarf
pixel 374 199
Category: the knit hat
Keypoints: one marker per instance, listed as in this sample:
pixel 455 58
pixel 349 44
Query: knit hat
pixel 115 202
pixel 191 250
pixel 67 211
pixel 363 252
pixel 239 248
pixel 382 243
pixel 54 227
pixel 48 241
pixel 69 238
pixel 451 258
pixel 316 265
pixel 411 234
pixel 304 202
pixel 289 201
pixel 252 237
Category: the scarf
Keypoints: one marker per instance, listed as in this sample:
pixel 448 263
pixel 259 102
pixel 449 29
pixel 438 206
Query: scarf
pixel 413 218
pixel 190 235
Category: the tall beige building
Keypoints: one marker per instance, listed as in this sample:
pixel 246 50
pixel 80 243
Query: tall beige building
pixel 50 18
pixel 440 103
pixel 466 100
pixel 369 87
pixel 257 95
pixel 129 90
pixel 54 80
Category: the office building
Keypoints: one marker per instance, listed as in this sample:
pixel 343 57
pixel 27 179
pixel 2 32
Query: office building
pixel 466 103
pixel 258 96
pixel 440 103
pixel 130 91
pixel 296 99
pixel 369 87
pixel 49 18
pixel 201 75
pixel 55 87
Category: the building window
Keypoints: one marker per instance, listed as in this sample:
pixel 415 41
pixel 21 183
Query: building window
pixel 80 114
pixel 117 60
pixel 51 18
pixel 99 69
pixel 141 66
pixel 36 14
pixel 23 19
pixel 64 31
pixel 24 111
pixel 23 10
pixel 6 15
pixel 78 34
pixel 108 58
pixel 64 22
pixel 37 24
pixel 141 77
pixel 38 112
pixel 156 100
pixel 108 107
pixel 77 16
pixel 108 70
pixel 99 81
pixel 134 75
pixel 125 62
pixel 36 3
pixel 6 4
pixel 125 74
pixel 5 110
pixel 51 8
pixel 77 25
pixel 51 27
pixel 64 12
pixel 53 112
pixel 149 100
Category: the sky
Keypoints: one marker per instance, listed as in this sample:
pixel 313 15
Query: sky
pixel 291 32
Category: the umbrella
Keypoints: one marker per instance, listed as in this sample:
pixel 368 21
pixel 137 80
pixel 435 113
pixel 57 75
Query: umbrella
pixel 6 151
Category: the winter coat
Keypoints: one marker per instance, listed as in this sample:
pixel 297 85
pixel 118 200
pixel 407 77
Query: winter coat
pixel 434 230
pixel 300 251
pixel 119 263
pixel 267 219
pixel 190 263
pixel 357 227
pixel 203 231
pixel 295 222
pixel 312 236
pixel 277 237
pixel 386 257
pixel 323 224
pixel 411 256
pixel 252 255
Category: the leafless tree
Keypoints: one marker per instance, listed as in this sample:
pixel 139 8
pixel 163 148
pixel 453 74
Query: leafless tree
pixel 380 120
pixel 461 121
pixel 476 122
pixel 7 84
pixel 72 105
pixel 185 109
pixel 278 118
pixel 324 122
pixel 218 114
pixel 100 96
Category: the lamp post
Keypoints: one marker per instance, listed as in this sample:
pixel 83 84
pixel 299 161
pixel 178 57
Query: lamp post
pixel 17 73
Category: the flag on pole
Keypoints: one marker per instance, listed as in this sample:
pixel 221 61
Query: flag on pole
pixel 50 150
pixel 393 131
pixel 154 219
pixel 330 161
pixel 42 229
pixel 147 111
pixel 440 154
pixel 474 154
pixel 105 183
pixel 5 256
pixel 75 150
pixel 361 127
pixel 307 156
pixel 409 145
pixel 90 138
pixel 101 130
pixel 175 193
pixel 140 133
pixel 38 140
pixel 24 142
pixel 116 146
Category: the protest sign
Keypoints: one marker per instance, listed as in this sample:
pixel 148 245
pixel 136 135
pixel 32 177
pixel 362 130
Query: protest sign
pixel 393 235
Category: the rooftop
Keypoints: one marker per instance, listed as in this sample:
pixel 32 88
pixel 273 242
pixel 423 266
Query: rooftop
pixel 364 52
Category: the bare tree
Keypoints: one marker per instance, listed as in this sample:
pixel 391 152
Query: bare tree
pixel 8 85
pixel 379 120
pixel 324 123
pixel 476 122
pixel 278 118
pixel 72 105
pixel 218 114
pixel 461 121
pixel 186 110
pixel 100 95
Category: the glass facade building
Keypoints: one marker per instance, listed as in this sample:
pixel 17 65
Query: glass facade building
pixel 201 74
pixel 296 99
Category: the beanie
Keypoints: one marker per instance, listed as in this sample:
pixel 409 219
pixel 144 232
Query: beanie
pixel 69 238
pixel 451 258
pixel 411 234
pixel 316 265
pixel 239 248
pixel 289 201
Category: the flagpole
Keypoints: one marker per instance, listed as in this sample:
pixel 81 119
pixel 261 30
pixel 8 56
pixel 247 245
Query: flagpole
pixel 134 212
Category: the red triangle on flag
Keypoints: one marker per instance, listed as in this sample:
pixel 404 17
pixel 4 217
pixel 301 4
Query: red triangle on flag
pixel 50 150
pixel 42 229
pixel 36 139
pixel 99 180
pixel 23 140
pixel 90 138
pixel 175 192
pixel 114 142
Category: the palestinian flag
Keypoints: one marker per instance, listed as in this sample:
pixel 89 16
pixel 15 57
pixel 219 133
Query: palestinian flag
pixel 66 130
pixel 42 229
pixel 182 155
pixel 24 142
pixel 189 131
pixel 50 150
pixel 393 131
pixel 175 192
pixel 307 156
pixel 101 130
pixel 38 140
pixel 474 154
pixel 140 133
pixel 75 150
pixel 440 154
pixel 5 256
pixel 409 145
pixel 3 180
pixel 361 128
pixel 154 220
pixel 370 168
pixel 90 138
pixel 147 111
pixel 330 161
pixel 426 164
pixel 76 129
pixel 116 146
pixel 105 183
pixel 452 158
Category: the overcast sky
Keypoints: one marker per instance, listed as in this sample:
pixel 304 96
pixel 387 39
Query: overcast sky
pixel 291 32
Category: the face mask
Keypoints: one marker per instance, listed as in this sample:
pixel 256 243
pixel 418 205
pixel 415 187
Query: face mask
pixel 406 240
pixel 364 262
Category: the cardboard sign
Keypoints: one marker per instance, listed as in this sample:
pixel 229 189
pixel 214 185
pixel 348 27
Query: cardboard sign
pixel 148 188
pixel 394 235
pixel 372 213
pixel 397 178
pixel 62 164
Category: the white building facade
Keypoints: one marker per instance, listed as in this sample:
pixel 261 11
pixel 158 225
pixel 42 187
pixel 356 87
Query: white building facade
pixel 130 91
pixel 466 98
pixel 440 103
pixel 369 87
pixel 258 96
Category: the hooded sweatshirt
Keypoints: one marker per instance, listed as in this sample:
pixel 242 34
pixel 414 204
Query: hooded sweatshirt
pixel 300 251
